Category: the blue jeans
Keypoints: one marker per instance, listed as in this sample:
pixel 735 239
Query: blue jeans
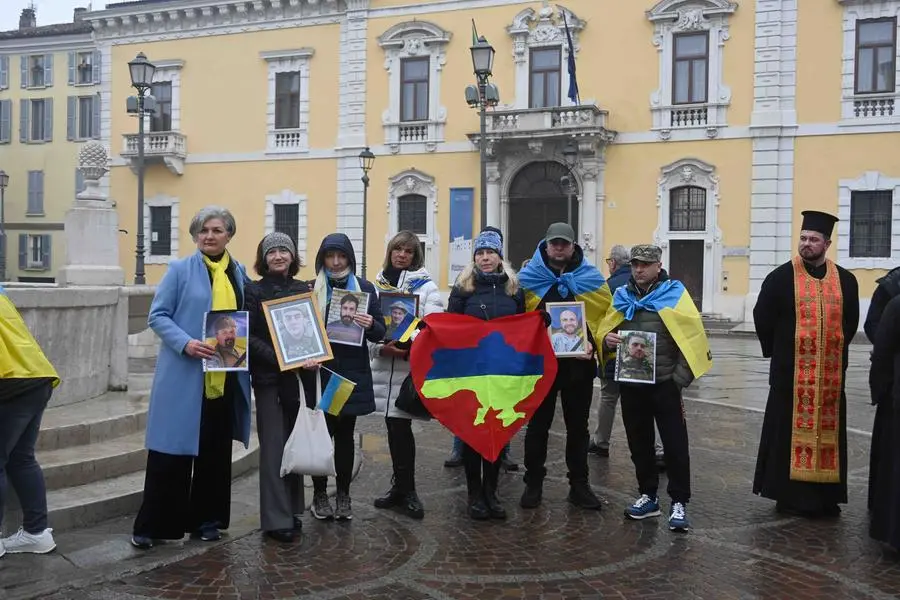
pixel 458 448
pixel 20 422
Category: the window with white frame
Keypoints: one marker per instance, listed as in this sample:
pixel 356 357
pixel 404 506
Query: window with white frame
pixel 83 117
pixel 161 225
pixel 412 206
pixel 166 91
pixel 34 252
pixel 415 55
pixel 161 119
pixel 870 62
pixel 541 51
pixel 286 212
pixel 36 70
pixel 287 109
pixel 35 120
pixel 84 67
pixel 869 213
pixel 690 37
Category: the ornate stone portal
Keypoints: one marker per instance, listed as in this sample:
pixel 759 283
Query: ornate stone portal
pixel 92 227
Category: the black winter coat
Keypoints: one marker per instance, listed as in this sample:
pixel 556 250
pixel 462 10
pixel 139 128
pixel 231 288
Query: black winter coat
pixel 264 369
pixel 352 362
pixel 489 300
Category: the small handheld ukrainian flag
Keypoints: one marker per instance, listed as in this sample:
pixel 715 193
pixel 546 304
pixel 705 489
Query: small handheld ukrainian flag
pixel 335 394
pixel 405 329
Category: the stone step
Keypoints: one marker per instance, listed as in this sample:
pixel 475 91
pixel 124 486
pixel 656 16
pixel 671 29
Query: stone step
pixel 110 416
pixel 96 461
pixel 83 505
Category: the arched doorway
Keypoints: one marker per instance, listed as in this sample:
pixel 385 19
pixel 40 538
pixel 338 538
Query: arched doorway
pixel 537 197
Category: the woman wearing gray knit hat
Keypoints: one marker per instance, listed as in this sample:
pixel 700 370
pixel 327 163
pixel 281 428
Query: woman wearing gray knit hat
pixel 277 394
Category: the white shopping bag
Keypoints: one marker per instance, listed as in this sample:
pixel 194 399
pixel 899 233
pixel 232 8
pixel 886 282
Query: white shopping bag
pixel 309 450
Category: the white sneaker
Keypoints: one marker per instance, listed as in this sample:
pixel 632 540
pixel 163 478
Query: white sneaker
pixel 22 541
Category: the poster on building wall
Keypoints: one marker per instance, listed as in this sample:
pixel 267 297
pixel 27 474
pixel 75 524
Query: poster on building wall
pixel 462 215
pixel 459 259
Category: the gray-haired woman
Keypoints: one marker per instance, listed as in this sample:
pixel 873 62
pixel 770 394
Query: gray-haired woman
pixel 193 415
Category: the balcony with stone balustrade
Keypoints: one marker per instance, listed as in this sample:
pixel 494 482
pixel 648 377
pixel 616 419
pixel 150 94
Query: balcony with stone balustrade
pixel 160 147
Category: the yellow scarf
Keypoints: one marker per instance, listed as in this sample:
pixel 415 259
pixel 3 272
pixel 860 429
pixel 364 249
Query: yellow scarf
pixel 223 298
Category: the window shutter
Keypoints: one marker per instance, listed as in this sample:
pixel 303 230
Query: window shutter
pixel 31 193
pixel 48 119
pixel 23 251
pixel 79 181
pixel 5 121
pixel 48 70
pixel 72 79
pixel 71 110
pixel 39 191
pixel 4 72
pixel 23 120
pixel 46 239
pixel 95 70
pixel 95 117
pixel 23 62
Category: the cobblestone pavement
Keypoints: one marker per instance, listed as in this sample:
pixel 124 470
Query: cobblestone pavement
pixel 739 547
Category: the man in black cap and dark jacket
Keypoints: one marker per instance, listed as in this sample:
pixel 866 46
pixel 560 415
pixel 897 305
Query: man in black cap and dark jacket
pixel 806 316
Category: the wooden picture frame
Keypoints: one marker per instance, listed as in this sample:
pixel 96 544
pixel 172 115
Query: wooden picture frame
pixel 386 299
pixel 298 331
pixel 636 357
pixel 567 343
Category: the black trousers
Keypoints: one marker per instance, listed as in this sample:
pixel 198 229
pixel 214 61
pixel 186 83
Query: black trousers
pixel 576 387
pixel 402 444
pixel 341 430
pixel 641 404
pixel 481 474
pixel 181 493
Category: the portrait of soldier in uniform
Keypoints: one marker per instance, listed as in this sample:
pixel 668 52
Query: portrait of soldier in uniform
pixel 297 334
pixel 568 333
pixel 227 332
pixel 636 357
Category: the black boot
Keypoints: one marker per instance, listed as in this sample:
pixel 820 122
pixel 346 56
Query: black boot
pixel 489 487
pixel 413 506
pixel 394 496
pixel 478 510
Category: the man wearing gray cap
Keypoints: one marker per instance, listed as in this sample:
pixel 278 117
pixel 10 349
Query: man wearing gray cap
pixel 559 272
pixel 646 304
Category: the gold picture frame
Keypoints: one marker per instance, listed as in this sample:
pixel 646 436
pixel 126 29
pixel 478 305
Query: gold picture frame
pixel 298 331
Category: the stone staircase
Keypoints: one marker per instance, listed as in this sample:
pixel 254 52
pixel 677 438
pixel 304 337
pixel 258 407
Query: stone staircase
pixel 93 457
pixel 714 323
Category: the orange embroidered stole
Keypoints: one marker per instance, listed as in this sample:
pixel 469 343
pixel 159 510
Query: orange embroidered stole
pixel 818 375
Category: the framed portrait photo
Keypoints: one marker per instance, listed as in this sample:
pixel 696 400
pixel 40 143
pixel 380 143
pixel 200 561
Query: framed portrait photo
pixel 339 324
pixel 399 311
pixel 636 357
pixel 228 332
pixel 297 331
pixel 568 330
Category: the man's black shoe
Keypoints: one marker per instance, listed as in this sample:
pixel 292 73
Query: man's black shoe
pixel 393 497
pixel 531 497
pixel 598 450
pixel 455 460
pixel 285 536
pixel 413 505
pixel 582 496
pixel 478 510
pixel 508 465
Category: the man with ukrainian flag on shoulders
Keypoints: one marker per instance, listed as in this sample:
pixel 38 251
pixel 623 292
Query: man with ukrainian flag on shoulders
pixel 659 307
pixel 559 272
pixel 27 380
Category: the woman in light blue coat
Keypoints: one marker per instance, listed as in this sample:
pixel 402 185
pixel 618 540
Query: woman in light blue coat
pixel 193 415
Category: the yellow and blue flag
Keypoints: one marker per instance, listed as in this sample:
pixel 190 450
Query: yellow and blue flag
pixel 405 329
pixel 336 394
pixel 20 355
pixel 586 283
pixel 671 301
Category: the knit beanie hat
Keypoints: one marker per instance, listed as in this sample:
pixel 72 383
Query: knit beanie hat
pixel 488 240
pixel 276 239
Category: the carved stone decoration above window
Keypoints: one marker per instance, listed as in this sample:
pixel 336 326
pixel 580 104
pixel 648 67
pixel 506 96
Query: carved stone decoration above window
pixel 414 39
pixel 672 18
pixel 545 28
pixel 413 182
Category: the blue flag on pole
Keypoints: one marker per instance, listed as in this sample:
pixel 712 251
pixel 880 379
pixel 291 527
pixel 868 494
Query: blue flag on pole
pixel 573 80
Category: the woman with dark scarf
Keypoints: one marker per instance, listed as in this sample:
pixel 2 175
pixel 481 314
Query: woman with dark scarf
pixel 403 272
pixel 336 269
pixel 277 393
pixel 486 289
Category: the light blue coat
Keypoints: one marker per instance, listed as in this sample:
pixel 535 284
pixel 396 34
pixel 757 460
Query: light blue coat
pixel 176 315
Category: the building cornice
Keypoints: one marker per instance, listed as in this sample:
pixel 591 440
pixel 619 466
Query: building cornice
pixel 173 19
pixel 62 43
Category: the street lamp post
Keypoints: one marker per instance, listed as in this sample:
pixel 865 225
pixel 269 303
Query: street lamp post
pixel 570 155
pixel 141 71
pixel 483 96
pixel 366 161
pixel 4 181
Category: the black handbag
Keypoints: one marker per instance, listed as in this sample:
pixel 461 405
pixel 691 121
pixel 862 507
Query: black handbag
pixel 408 400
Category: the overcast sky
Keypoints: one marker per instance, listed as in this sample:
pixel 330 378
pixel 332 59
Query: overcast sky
pixel 48 11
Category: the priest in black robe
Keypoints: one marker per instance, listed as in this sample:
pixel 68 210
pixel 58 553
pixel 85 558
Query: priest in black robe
pixel 806 316
pixel 884 473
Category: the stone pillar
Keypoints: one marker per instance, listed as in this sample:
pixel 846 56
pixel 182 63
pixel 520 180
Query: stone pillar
pixel 92 228
pixel 591 223
pixel 493 195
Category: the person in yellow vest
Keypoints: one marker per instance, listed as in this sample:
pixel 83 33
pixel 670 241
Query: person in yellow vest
pixel 27 380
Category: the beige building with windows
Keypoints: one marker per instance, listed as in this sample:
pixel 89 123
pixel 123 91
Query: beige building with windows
pixel 705 126
pixel 49 104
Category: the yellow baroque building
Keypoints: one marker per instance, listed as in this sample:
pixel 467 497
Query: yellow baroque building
pixel 49 105
pixel 705 126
